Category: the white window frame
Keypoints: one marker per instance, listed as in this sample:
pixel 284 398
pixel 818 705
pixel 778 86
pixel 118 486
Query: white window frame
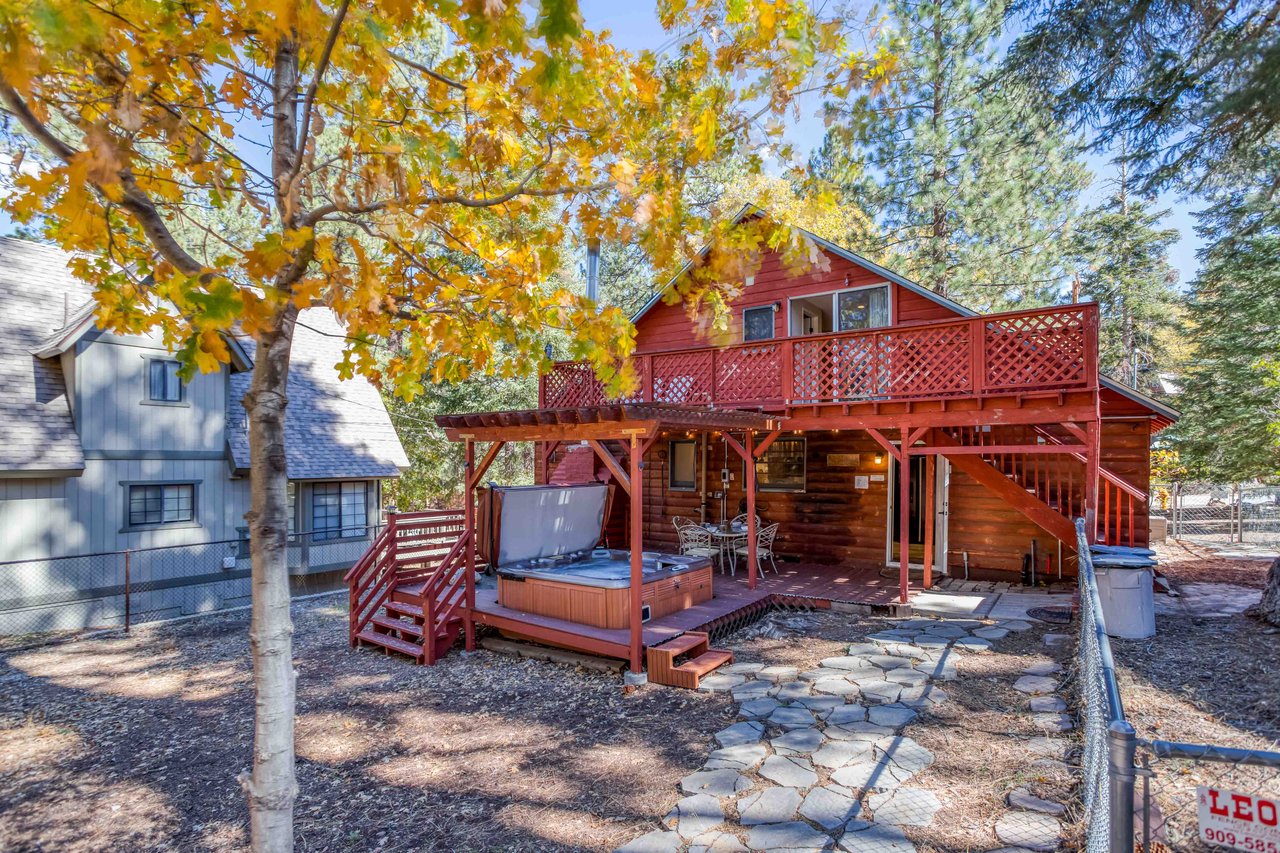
pixel 834 296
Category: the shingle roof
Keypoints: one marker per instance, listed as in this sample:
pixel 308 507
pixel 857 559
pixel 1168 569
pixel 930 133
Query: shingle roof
pixel 38 295
pixel 334 429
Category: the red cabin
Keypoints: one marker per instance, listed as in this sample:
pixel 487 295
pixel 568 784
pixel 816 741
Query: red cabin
pixel 878 419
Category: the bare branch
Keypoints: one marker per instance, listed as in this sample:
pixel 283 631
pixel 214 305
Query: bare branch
pixel 434 75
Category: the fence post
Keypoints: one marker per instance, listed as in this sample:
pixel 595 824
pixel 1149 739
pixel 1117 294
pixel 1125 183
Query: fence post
pixel 1177 493
pixel 127 604
pixel 1122 750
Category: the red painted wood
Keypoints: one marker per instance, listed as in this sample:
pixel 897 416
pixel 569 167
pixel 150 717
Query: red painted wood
pixel 636 494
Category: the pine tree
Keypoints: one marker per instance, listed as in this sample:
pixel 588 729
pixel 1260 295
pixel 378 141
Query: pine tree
pixel 1230 427
pixel 1124 257
pixel 975 187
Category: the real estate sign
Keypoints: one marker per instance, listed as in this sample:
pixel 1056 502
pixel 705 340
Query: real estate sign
pixel 1241 821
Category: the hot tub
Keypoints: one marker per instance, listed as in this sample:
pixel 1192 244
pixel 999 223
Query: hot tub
pixel 593 588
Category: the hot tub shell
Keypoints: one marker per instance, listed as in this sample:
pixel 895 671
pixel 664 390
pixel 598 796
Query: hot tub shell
pixel 596 590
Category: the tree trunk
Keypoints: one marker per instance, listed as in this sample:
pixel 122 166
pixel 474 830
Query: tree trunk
pixel 272 786
pixel 1268 609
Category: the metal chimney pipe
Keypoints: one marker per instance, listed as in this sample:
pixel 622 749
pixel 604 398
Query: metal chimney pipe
pixel 593 269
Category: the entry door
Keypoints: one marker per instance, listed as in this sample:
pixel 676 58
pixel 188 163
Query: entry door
pixel 941 508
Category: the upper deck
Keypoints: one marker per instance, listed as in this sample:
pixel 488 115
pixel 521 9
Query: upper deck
pixel 1009 354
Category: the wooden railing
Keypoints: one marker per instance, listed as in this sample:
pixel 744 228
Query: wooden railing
pixel 411 549
pixel 1050 349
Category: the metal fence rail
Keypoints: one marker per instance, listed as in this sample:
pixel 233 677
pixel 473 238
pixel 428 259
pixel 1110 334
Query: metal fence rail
pixel 1219 513
pixel 1174 776
pixel 122 588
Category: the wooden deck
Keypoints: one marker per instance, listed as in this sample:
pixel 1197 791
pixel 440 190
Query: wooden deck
pixel 807 583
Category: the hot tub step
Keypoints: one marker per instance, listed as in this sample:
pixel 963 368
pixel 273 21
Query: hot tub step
pixel 404 626
pixel 390 643
pixel 706 662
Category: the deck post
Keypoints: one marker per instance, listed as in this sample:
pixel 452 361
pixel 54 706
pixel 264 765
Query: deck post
pixel 1093 433
pixel 904 515
pixel 929 475
pixel 637 546
pixel 469 531
pixel 752 557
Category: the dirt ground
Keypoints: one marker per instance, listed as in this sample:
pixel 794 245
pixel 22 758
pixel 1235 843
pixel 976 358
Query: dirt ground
pixel 126 744
pixel 1203 681
pixel 133 743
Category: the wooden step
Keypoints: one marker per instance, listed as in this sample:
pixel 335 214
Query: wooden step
pixel 400 608
pixel 683 644
pixel 390 643
pixel 706 662
pixel 404 626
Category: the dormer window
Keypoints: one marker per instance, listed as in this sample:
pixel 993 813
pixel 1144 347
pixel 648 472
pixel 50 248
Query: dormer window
pixel 164 385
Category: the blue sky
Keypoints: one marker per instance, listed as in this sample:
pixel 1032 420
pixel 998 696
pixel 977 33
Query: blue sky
pixel 635 26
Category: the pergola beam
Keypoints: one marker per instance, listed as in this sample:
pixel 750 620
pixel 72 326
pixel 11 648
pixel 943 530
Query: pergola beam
pixel 615 468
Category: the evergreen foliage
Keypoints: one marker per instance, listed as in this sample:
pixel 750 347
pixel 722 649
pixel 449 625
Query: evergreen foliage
pixel 1230 429
pixel 975 187
pixel 1124 261
pixel 1185 84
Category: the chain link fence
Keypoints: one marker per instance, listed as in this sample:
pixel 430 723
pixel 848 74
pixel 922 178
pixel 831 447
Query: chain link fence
pixel 1217 513
pixel 1155 794
pixel 123 588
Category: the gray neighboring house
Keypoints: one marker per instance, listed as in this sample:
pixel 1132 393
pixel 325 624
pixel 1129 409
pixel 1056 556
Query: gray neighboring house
pixel 104 449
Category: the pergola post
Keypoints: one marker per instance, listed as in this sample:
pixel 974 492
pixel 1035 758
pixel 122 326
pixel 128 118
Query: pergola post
pixel 904 516
pixel 469 525
pixel 752 545
pixel 930 463
pixel 1092 450
pixel 637 547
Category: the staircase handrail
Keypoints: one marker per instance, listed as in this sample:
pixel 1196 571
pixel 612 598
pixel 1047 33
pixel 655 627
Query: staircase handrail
pixel 1105 473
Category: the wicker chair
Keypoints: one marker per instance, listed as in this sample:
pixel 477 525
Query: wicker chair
pixel 695 541
pixel 741 518
pixel 764 549
pixel 680 521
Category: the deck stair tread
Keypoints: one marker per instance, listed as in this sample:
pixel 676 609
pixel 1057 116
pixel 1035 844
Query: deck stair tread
pixel 404 609
pixel 706 662
pixel 683 644
pixel 387 641
pixel 405 626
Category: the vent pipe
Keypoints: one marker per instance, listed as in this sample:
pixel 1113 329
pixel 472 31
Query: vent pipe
pixel 593 269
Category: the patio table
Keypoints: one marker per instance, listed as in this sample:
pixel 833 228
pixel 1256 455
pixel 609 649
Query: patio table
pixel 727 539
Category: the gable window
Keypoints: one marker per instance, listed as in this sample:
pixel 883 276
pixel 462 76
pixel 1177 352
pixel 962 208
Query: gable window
pixel 864 308
pixel 782 468
pixel 339 510
pixel 683 476
pixel 164 503
pixel 163 383
pixel 291 499
pixel 757 323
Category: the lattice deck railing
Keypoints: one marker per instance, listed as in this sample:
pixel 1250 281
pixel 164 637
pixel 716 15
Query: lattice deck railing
pixel 1049 349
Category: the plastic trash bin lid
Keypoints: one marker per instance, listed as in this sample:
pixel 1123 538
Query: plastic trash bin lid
pixel 1122 561
pixel 1124 550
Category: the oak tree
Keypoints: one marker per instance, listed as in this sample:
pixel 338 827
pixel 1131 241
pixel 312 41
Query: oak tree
pixel 413 165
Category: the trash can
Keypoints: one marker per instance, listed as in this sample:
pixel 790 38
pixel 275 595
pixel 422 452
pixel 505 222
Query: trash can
pixel 1127 605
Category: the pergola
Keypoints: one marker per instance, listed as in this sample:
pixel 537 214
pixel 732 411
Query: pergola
pixel 636 426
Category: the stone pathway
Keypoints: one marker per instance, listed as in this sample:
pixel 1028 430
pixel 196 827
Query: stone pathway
pixel 822 759
pixel 1033 823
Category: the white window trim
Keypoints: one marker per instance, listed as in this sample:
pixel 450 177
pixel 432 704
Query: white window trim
pixel 833 295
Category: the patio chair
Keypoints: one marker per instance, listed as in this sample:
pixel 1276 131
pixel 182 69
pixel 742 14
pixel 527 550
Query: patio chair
pixel 741 518
pixel 764 549
pixel 695 541
pixel 680 521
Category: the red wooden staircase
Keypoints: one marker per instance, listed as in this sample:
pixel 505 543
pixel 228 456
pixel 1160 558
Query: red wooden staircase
pixel 408 591
pixel 1049 489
